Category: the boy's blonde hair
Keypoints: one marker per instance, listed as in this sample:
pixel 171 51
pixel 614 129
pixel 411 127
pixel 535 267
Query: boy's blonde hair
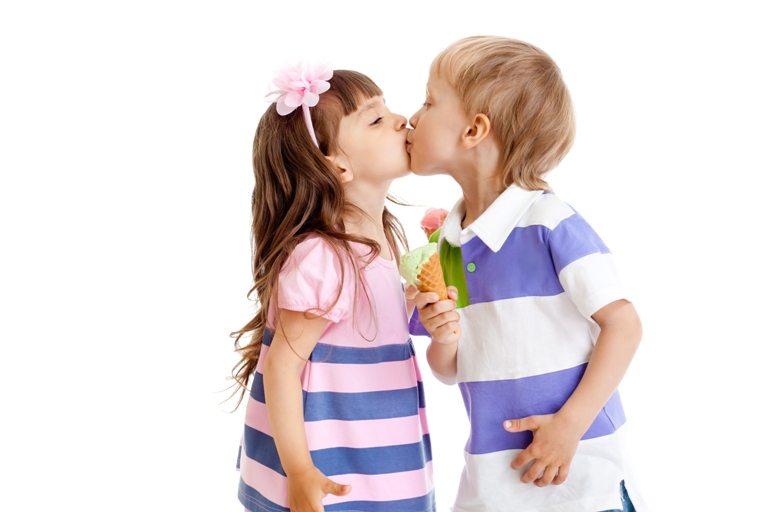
pixel 520 89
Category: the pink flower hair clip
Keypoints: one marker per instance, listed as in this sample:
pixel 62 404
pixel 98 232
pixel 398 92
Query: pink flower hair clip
pixel 300 86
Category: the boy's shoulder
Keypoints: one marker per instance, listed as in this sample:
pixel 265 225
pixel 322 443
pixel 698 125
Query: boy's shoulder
pixel 548 210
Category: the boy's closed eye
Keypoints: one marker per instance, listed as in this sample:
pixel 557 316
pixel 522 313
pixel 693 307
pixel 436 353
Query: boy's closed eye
pixel 377 121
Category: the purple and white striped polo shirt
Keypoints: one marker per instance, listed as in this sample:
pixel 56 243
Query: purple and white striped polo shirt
pixel 530 273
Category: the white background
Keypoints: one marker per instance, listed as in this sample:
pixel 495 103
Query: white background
pixel 125 140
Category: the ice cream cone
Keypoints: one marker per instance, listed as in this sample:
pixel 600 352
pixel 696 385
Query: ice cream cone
pixel 431 277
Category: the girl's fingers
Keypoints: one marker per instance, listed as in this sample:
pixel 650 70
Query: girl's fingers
pixel 331 487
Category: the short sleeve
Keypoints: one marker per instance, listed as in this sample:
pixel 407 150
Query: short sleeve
pixel 584 265
pixel 415 327
pixel 310 279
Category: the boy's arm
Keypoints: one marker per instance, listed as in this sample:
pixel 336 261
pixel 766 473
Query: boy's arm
pixel 441 321
pixel 620 333
pixel 556 436
pixel 442 360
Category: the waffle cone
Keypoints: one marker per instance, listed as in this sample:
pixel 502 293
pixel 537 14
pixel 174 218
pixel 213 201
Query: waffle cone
pixel 431 277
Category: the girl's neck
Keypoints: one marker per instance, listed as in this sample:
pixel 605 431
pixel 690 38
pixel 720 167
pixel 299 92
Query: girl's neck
pixel 368 223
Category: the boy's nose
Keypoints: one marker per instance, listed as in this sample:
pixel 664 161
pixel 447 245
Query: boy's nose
pixel 400 122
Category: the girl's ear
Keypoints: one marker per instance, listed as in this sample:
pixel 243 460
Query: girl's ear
pixel 477 131
pixel 342 167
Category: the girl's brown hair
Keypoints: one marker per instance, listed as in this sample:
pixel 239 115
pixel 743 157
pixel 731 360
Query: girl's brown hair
pixel 296 194
pixel 520 89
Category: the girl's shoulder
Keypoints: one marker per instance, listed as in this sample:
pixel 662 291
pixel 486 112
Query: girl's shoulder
pixel 316 255
pixel 311 245
pixel 313 278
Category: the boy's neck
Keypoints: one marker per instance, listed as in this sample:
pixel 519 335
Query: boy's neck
pixel 480 179
pixel 479 194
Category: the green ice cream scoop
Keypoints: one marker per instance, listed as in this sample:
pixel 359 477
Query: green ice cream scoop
pixel 410 263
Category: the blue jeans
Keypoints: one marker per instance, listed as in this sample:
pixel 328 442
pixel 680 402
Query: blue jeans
pixel 625 501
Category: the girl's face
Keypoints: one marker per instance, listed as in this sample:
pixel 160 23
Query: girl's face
pixel 438 126
pixel 371 144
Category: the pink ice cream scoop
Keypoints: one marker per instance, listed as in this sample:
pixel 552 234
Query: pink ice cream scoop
pixel 432 220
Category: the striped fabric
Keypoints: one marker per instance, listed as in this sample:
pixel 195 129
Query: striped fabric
pixel 530 273
pixel 363 398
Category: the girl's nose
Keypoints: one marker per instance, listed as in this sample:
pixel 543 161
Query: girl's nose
pixel 414 119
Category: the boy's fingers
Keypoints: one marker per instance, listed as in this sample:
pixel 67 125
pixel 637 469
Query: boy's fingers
pixel 435 309
pixel 447 333
pixel 562 474
pixel 534 472
pixel 424 299
pixel 453 293
pixel 522 459
pixel 549 475
pixel 519 425
pixel 449 321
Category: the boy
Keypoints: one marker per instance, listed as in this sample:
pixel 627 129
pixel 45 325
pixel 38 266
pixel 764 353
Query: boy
pixel 543 332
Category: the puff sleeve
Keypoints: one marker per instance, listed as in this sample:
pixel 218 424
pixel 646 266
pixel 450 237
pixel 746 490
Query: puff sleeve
pixel 310 280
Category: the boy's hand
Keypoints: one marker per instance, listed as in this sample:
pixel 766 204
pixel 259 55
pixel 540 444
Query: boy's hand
pixel 554 443
pixel 440 318
pixel 307 488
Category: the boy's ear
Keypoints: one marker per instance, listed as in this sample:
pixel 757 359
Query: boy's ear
pixel 478 129
pixel 343 169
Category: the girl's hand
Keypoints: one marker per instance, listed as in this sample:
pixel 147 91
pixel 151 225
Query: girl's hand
pixel 307 488
pixel 410 299
pixel 554 443
pixel 439 318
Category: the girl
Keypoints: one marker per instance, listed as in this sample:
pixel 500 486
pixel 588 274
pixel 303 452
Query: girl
pixel 335 416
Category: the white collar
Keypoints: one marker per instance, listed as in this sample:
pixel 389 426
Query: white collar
pixel 495 224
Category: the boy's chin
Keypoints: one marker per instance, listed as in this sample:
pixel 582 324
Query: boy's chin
pixel 424 172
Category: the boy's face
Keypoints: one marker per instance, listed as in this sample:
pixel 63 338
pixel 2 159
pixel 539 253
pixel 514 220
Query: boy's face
pixel 435 141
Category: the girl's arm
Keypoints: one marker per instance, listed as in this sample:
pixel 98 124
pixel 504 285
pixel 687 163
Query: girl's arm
pixel 295 338
pixel 556 436
pixel 410 300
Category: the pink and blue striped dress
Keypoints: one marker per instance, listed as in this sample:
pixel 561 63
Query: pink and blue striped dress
pixel 363 396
